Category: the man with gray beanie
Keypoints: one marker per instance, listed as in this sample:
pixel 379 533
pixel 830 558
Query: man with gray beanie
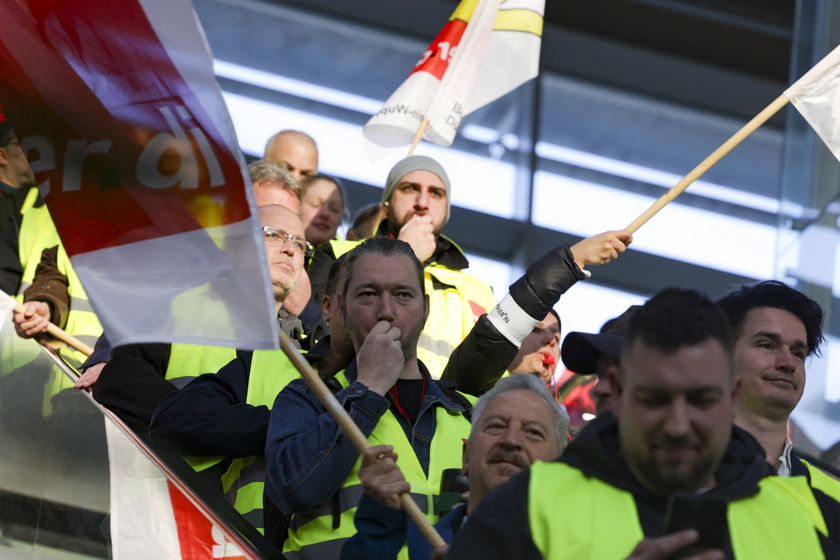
pixel 416 199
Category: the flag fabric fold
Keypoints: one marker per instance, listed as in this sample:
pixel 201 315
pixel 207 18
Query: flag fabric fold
pixel 118 110
pixel 487 49
pixel 150 518
pixel 816 96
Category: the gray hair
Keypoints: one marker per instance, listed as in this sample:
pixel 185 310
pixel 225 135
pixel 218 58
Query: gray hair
pixel 264 171
pixel 527 382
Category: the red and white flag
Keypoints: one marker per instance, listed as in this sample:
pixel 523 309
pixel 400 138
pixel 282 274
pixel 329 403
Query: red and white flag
pixel 487 49
pixel 817 97
pixel 118 110
pixel 151 519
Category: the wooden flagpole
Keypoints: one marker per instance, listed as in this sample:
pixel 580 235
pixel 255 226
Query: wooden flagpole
pixel 353 432
pixel 59 333
pixel 707 163
pixel 418 136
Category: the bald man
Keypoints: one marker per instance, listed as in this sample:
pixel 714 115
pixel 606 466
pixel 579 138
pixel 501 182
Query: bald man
pixel 294 150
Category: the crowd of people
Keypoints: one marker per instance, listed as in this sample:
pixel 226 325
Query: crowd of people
pixel 688 452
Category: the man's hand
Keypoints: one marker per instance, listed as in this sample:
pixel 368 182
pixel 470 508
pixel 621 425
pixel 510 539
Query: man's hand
pixel 418 233
pixel 381 479
pixel 663 547
pixel 601 248
pixel 34 319
pixel 89 377
pixel 381 359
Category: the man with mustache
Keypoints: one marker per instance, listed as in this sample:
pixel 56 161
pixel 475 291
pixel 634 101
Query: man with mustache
pixel 389 393
pixel 672 436
pixel 417 201
pixel 514 424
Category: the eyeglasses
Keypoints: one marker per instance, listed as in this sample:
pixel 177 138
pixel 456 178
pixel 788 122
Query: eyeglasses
pixel 279 237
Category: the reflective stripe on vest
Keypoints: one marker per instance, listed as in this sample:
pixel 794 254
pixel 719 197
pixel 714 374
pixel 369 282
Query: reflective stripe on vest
pixel 453 309
pixel 244 481
pixel 778 522
pixel 310 535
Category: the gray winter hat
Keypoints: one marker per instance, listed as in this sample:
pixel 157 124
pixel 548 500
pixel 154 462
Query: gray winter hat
pixel 415 163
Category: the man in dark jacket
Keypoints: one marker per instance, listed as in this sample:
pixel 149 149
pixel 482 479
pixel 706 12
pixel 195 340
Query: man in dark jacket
pixel 514 424
pixel 672 438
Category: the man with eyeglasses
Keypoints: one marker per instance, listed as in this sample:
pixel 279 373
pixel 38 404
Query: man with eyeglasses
pixel 214 419
pixel 139 376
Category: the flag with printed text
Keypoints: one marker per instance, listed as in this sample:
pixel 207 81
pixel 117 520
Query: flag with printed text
pixel 487 49
pixel 118 111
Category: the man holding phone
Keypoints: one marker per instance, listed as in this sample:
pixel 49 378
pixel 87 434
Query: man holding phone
pixel 670 444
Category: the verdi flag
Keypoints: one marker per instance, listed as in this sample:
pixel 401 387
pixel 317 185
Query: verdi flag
pixel 487 49
pixel 119 113
pixel 816 95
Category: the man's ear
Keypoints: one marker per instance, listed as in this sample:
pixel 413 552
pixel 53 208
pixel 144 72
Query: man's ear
pixel 736 389
pixel 326 302
pixel 616 387
pixel 340 303
pixel 425 308
pixel 4 155
pixel 465 458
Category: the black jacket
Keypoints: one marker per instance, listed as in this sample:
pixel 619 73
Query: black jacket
pixel 133 383
pixel 500 528
pixel 483 356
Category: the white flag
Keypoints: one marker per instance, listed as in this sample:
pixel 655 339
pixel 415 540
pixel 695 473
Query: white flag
pixel 487 49
pixel 137 160
pixel 817 97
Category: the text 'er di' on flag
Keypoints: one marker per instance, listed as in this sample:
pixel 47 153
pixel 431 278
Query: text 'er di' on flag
pixel 487 49
pixel 118 111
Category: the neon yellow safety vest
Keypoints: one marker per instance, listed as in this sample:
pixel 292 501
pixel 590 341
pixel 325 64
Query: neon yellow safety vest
pixel 821 481
pixel 244 481
pixel 82 322
pixel 454 309
pixel 568 510
pixel 313 536
pixel 188 361
pixel 37 233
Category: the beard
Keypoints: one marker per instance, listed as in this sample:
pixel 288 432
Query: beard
pixel 664 477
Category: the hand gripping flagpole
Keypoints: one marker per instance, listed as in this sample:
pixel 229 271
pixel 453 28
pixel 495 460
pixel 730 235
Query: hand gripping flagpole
pixel 57 332
pixel 707 163
pixel 353 432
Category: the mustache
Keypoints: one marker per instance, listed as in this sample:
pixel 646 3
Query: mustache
pixel 508 456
